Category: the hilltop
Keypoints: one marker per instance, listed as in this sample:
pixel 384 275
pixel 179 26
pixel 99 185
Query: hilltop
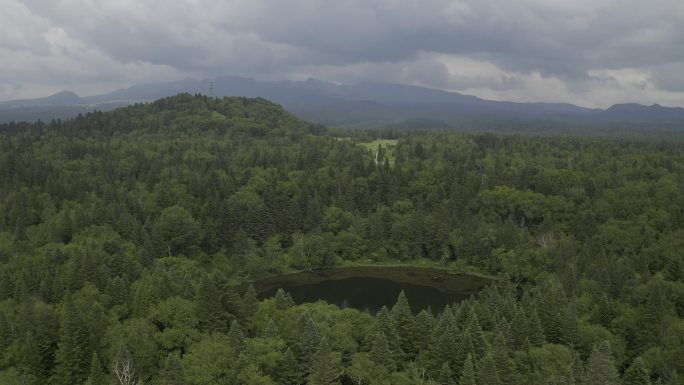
pixel 190 113
pixel 367 105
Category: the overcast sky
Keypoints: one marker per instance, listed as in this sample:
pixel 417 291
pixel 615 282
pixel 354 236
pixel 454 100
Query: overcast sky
pixel 588 52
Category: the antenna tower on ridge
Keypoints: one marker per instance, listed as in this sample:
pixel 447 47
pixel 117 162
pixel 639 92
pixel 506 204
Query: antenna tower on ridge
pixel 211 88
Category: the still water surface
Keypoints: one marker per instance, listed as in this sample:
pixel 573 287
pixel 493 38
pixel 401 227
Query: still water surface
pixel 369 289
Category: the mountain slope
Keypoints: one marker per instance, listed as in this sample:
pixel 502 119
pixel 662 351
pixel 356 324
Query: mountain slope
pixel 364 105
pixel 64 98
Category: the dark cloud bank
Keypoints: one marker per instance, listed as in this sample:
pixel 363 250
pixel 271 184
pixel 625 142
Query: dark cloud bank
pixel 589 52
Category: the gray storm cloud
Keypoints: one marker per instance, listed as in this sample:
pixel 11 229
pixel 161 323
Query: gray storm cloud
pixel 589 52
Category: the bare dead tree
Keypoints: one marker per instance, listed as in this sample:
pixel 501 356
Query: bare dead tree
pixel 545 240
pixel 123 368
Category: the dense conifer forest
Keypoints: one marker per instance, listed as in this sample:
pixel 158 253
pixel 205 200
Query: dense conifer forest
pixel 128 238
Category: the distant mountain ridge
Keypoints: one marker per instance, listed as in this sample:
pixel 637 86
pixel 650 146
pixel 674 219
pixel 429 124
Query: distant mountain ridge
pixel 64 98
pixel 365 105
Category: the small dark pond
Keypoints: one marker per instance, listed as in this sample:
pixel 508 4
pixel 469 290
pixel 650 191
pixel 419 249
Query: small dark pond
pixel 370 288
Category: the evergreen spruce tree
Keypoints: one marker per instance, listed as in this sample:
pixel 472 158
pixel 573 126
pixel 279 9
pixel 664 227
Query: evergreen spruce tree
pixel 154 245
pixel 519 328
pixel 96 375
pixel 548 306
pixel 39 326
pixel 446 348
pixel 271 329
pixel 508 300
pixel 446 320
pixel 173 371
pixel 488 373
pixel 674 378
pixel 468 372
pixel 381 354
pixel 384 325
pixel 45 289
pixel 578 374
pixel 72 352
pixel 504 364
pixel 283 300
pixel 29 356
pixel 553 329
pixel 117 288
pixel 601 368
pixel 404 324
pixel 445 376
pixel 494 302
pixel 250 302
pixel 571 332
pixel 231 302
pixel 462 313
pixel 650 316
pixel 477 335
pixel 212 317
pixel 325 366
pixel 605 310
pixel 289 372
pixel 534 328
pixel 425 323
pixel 307 341
pixel 463 348
pixel 236 338
pixel 636 374
pixel 5 333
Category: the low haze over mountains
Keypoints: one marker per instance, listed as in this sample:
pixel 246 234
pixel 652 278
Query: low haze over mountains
pixel 361 105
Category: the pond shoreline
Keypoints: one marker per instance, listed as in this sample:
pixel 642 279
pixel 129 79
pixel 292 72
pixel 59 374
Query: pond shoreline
pixel 441 279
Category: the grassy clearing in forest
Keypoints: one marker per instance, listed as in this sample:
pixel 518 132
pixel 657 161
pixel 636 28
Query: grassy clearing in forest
pixel 386 147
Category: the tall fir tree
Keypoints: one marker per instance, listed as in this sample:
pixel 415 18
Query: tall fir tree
pixel 464 347
pixel 28 356
pixel 271 330
pixel 325 366
pixel 534 329
pixel 445 376
pixel 503 327
pixel 571 332
pixel 307 341
pixel 72 353
pixel 5 333
pixel 289 372
pixel 650 316
pixel 384 325
pixel 488 373
pixel 468 373
pixel 212 316
pixel 578 373
pixel 477 335
pixel 446 347
pixel 636 374
pixel 425 323
pixel 250 302
pixel 381 354
pixel 97 375
pixel 504 364
pixel 601 368
pixel 283 299
pixel 403 321
pixel 519 328
pixel 236 338
pixel 173 371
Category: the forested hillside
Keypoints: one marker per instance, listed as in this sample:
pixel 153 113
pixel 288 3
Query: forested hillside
pixel 127 237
